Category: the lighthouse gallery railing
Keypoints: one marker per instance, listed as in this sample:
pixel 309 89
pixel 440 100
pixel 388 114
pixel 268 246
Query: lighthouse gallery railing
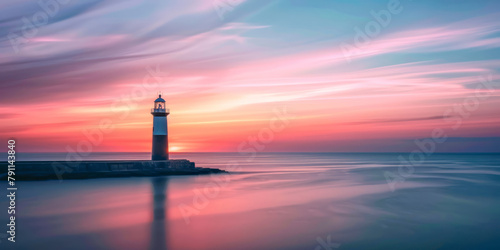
pixel 153 110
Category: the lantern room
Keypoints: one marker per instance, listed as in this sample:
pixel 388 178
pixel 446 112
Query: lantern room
pixel 159 106
pixel 159 103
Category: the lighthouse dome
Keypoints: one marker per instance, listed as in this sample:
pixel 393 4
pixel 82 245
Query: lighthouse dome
pixel 160 99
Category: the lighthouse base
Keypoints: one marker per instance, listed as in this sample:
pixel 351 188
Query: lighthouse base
pixel 160 148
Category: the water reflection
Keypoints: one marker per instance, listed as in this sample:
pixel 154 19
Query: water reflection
pixel 159 224
pixel 278 201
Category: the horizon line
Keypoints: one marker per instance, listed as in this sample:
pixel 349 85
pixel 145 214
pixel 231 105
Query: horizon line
pixel 304 152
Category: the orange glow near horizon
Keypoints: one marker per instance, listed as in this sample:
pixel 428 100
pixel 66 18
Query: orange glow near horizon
pixel 343 122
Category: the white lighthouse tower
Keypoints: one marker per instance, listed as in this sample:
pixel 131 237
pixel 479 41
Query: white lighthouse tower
pixel 160 131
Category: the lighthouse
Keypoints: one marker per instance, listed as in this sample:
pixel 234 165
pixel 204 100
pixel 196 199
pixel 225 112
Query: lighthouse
pixel 160 131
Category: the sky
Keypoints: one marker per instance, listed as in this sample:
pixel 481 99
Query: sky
pixel 274 76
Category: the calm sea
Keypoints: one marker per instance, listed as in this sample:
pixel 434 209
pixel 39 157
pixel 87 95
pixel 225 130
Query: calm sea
pixel 273 201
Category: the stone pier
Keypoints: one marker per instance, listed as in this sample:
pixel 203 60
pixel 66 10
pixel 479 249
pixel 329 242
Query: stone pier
pixel 60 170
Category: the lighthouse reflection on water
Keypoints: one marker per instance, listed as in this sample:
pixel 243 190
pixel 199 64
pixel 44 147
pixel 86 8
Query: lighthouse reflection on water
pixel 159 224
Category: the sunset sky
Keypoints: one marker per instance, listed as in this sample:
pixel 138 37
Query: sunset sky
pixel 224 67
